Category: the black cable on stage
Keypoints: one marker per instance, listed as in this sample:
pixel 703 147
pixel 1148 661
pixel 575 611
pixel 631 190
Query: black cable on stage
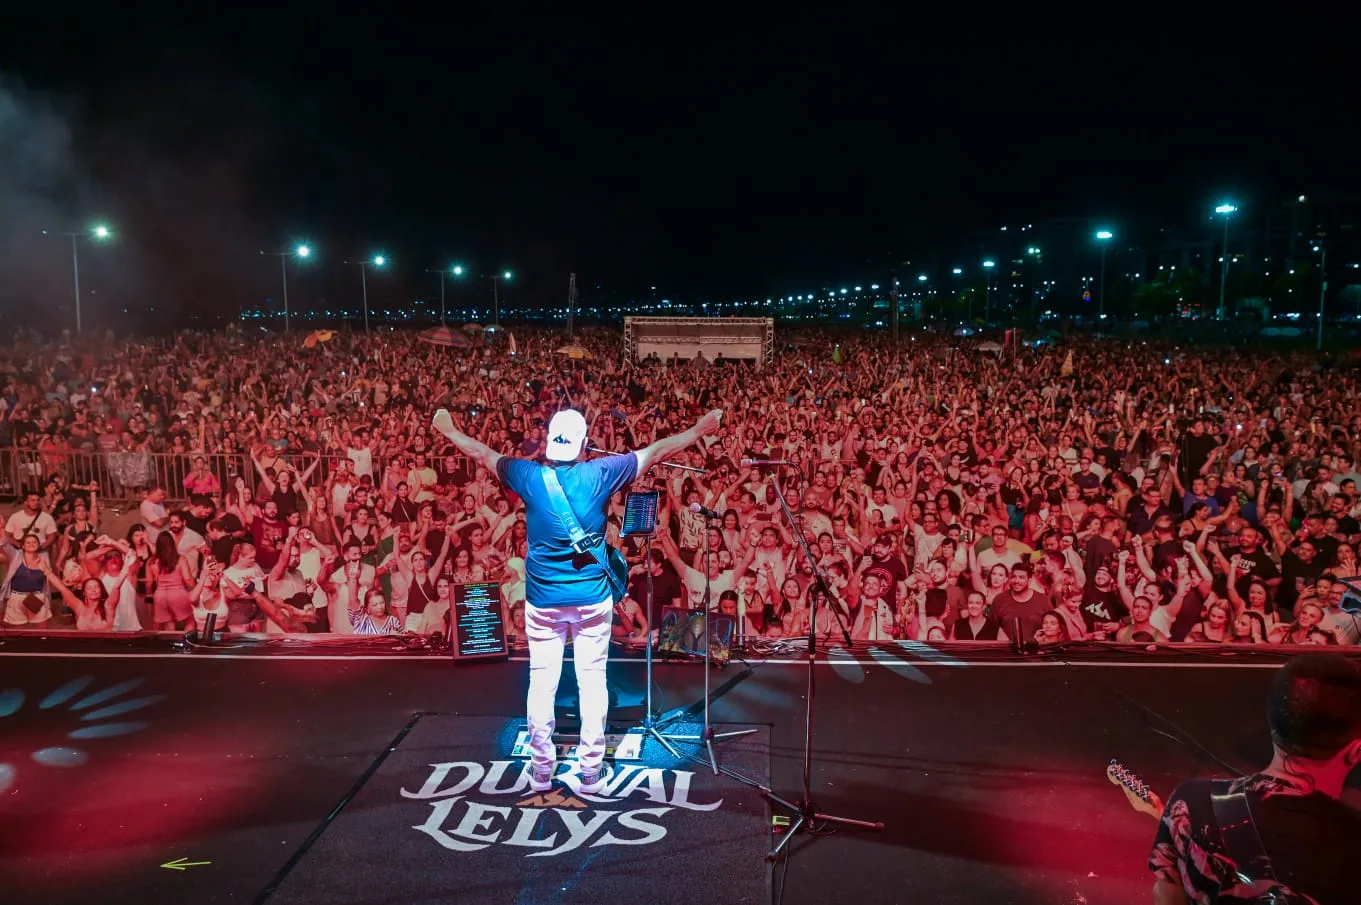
pixel 335 812
pixel 1185 739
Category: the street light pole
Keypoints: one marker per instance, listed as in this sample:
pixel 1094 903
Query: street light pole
pixel 1322 291
pixel 987 293
pixel 1103 236
pixel 495 297
pixel 283 263
pixel 1225 210
pixel 364 284
pixel 893 297
pixel 302 251
pixel 1101 289
pixel 376 261
pixel 456 270
pixel 75 266
pixel 99 232
pixel 1224 268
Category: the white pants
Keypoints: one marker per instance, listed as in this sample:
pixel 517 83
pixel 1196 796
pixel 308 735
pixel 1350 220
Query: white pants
pixel 547 629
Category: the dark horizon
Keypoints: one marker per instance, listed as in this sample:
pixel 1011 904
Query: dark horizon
pixel 711 163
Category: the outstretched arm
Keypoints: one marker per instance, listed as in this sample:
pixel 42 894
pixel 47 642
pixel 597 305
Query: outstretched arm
pixel 476 450
pixel 668 446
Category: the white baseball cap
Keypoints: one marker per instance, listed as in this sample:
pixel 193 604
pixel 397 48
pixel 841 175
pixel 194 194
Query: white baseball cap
pixel 566 434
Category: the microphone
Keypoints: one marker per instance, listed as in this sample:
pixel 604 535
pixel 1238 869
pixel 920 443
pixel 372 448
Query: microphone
pixel 757 463
pixel 705 511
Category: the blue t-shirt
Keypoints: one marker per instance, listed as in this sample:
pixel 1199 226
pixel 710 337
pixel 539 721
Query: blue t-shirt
pixel 554 575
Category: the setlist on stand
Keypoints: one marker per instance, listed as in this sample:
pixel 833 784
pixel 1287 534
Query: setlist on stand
pixel 477 624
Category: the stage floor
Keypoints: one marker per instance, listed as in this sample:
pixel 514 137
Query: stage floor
pixel 988 771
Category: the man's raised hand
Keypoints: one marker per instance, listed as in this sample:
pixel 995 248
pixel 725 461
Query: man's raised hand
pixel 442 422
pixel 709 424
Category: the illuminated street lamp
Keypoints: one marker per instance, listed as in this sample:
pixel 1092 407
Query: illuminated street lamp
pixel 495 296
pixel 375 261
pixel 456 270
pixel 1103 236
pixel 98 233
pixel 1226 211
pixel 988 265
pixel 302 251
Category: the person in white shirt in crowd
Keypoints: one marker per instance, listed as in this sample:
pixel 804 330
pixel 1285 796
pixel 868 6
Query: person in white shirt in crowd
pixel 767 559
pixel 188 541
pixel 337 586
pixel 720 579
pixel 997 548
pixel 881 505
pixel 241 581
pixel 397 566
pixel 422 480
pixel 153 513
pixel 313 556
pixel 31 519
pixel 874 618
pixel 289 592
pixel 360 452
pixel 1344 625
pixel 926 536
pixel 120 588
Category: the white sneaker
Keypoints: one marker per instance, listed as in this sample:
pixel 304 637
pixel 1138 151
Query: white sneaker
pixel 594 782
pixel 541 782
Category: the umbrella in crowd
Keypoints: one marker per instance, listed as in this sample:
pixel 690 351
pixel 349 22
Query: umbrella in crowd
pixel 443 336
pixel 473 328
pixel 575 351
pixel 317 336
pixel 989 347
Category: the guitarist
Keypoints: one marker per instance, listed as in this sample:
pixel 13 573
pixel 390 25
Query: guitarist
pixel 570 580
pixel 1282 835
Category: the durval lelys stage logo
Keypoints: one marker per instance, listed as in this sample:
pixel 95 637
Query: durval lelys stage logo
pixel 465 818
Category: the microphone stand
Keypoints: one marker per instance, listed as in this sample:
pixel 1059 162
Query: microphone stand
pixel 806 814
pixel 676 465
pixel 649 717
pixel 650 723
pixel 707 736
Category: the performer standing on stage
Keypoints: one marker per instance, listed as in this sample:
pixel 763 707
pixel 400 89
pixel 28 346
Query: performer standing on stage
pixel 1283 834
pixel 569 591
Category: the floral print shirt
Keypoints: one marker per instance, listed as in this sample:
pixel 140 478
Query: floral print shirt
pixel 1190 852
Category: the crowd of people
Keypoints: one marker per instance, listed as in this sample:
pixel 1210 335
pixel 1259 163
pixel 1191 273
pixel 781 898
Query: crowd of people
pixel 1107 490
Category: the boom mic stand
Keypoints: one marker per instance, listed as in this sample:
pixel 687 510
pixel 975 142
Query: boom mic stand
pixel 641 509
pixel 649 716
pixel 707 736
pixel 806 814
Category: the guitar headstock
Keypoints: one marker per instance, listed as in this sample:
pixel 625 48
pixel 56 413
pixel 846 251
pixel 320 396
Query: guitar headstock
pixel 1141 797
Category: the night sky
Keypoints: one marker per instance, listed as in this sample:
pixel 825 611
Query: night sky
pixel 703 151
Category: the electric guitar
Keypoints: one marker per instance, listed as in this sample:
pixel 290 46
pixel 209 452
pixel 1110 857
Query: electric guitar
pixel 609 559
pixel 1268 892
pixel 616 571
pixel 1141 797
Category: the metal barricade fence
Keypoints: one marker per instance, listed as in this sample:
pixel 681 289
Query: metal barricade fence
pixel 122 477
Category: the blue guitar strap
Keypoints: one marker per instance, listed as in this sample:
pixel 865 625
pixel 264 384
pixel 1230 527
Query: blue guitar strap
pixel 580 540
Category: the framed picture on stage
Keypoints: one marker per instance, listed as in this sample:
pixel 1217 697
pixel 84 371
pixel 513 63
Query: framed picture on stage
pixel 682 632
pixel 476 622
